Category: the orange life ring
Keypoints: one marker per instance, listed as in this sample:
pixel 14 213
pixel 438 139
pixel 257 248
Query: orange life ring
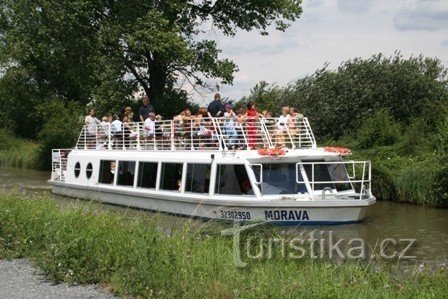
pixel 263 151
pixel 339 150
pixel 273 152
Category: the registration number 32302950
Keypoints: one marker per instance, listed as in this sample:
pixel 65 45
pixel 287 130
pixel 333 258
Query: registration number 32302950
pixel 234 215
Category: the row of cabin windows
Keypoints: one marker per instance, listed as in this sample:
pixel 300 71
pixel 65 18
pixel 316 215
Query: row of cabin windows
pixel 231 179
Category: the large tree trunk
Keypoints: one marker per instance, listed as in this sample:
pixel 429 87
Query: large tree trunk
pixel 158 75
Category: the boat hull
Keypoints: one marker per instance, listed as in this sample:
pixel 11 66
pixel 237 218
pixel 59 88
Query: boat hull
pixel 277 212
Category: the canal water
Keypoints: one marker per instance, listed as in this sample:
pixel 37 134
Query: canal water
pixel 388 225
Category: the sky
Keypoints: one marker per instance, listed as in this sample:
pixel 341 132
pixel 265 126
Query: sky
pixel 333 31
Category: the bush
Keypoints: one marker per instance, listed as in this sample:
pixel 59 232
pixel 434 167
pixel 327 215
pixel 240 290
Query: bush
pixel 378 130
pixel 6 140
pixel 440 186
pixel 17 152
pixel 60 131
pixel 383 186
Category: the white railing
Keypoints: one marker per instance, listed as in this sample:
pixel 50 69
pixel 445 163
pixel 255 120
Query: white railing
pixel 198 134
pixel 354 176
pixel 59 164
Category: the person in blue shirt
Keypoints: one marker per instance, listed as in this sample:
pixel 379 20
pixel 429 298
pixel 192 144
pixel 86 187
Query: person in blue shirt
pixel 216 108
pixel 145 109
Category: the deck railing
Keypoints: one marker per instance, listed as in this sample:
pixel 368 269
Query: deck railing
pixel 59 164
pixel 198 134
pixel 355 176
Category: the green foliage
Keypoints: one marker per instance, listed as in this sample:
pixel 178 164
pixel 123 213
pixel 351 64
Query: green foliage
pixel 77 49
pixel 337 102
pixel 60 131
pixel 390 110
pixel 6 140
pixel 272 97
pixel 439 194
pixel 383 183
pixel 440 182
pixel 414 184
pixel 18 103
pixel 378 130
pixel 133 257
pixel 17 152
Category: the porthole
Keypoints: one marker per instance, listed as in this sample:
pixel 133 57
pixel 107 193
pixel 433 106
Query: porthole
pixel 89 170
pixel 77 169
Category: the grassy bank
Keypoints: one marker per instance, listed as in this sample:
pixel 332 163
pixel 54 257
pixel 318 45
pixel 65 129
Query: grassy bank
pixel 17 152
pixel 132 256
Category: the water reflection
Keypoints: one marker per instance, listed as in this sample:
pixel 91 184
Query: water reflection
pixel 384 220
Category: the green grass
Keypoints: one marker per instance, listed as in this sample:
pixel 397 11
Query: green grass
pixel 17 152
pixel 133 256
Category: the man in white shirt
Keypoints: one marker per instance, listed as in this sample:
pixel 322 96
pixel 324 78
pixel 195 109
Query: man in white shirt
pixel 149 126
pixel 91 121
pixel 117 125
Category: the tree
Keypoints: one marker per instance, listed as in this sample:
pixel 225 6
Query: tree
pixel 78 49
pixel 339 101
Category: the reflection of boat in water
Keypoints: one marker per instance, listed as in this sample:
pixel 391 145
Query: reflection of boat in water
pixel 207 171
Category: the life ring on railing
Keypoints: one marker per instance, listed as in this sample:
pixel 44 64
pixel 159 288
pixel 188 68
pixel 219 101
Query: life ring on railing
pixel 272 152
pixel 263 151
pixel 339 150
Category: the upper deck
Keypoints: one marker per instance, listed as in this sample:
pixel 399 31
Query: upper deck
pixel 219 134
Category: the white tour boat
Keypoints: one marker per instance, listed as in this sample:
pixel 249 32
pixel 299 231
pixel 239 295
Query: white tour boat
pixel 216 168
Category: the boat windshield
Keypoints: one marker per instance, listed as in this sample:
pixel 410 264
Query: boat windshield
pixel 279 179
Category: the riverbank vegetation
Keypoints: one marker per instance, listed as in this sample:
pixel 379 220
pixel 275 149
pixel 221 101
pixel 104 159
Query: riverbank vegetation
pixel 133 256
pixel 391 110
pixel 17 152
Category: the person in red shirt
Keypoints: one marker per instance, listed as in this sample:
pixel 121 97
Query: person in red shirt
pixel 251 115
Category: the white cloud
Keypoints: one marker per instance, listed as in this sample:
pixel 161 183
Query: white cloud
pixel 331 31
pixel 426 15
pixel 355 6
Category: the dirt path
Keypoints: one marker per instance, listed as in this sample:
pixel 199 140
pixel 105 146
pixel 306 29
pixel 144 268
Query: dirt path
pixel 19 279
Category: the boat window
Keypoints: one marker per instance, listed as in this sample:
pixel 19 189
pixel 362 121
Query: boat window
pixel 171 176
pixel 321 174
pixel 89 170
pixel 77 169
pixel 338 173
pixel 147 175
pixel 232 179
pixel 126 173
pixel 280 178
pixel 198 178
pixel 107 172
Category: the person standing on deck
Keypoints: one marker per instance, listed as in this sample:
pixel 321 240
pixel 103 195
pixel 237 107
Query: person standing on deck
pixel 251 116
pixel 90 121
pixel 215 108
pixel 145 109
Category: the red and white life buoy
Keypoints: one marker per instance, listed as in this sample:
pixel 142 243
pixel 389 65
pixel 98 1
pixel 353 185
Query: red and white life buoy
pixel 272 152
pixel 339 150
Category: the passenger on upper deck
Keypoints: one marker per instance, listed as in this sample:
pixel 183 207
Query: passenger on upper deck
pixel 149 125
pixel 129 114
pixel 215 108
pixel 294 121
pixel 251 115
pixel 117 125
pixel 91 121
pixel 282 127
pixel 229 126
pixel 145 109
pixel 105 124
